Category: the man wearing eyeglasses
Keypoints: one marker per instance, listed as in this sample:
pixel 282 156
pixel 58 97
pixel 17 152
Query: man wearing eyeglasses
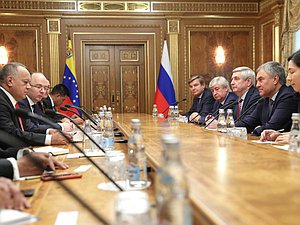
pixel 39 86
pixel 14 86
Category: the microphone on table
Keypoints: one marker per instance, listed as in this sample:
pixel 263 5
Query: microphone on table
pixel 174 103
pixel 83 111
pixel 25 113
pixel 63 108
pixel 51 112
pixel 247 110
pixel 216 113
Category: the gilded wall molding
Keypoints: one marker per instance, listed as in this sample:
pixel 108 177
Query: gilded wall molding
pixel 39 39
pixel 38 5
pixel 215 7
pixel 130 6
pixel 186 39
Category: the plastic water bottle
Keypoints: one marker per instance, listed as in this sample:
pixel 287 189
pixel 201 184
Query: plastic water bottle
pixel 108 134
pixel 221 126
pixel 229 119
pixel 294 134
pixel 176 112
pixel 154 111
pixel 173 206
pixel 137 169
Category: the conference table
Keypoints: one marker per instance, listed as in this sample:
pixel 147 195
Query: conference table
pixel 231 181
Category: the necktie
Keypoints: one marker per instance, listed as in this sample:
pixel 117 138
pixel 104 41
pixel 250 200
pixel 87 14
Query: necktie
pixel 19 118
pixel 198 105
pixel 239 109
pixel 271 103
pixel 35 108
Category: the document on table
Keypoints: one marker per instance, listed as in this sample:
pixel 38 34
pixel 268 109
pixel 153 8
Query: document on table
pixel 15 217
pixel 263 142
pixel 52 150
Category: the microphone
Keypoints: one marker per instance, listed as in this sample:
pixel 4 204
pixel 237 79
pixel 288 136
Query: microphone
pixel 226 106
pixel 25 113
pixel 53 113
pixel 70 110
pixel 174 103
pixel 247 110
pixel 83 111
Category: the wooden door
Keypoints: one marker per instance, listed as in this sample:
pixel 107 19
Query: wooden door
pixel 115 76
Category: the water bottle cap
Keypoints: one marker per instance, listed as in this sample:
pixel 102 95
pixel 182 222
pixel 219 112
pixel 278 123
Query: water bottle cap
pixel 135 122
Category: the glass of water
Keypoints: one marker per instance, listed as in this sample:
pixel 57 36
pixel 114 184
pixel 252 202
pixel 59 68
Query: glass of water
pixel 115 165
pixel 132 208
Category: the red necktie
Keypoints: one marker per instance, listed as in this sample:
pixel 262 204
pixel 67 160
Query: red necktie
pixel 238 113
pixel 19 118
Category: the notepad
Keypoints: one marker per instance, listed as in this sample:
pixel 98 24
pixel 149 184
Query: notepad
pixel 10 217
pixel 52 150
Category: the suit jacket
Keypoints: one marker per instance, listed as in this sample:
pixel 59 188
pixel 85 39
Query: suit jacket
pixel 251 97
pixel 32 124
pixel 9 123
pixel 6 169
pixel 202 107
pixel 280 116
pixel 48 105
pixel 231 97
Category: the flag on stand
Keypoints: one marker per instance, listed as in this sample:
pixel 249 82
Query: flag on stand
pixel 69 79
pixel 165 93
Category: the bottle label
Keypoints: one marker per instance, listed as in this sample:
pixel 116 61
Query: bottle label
pixel 134 172
pixel 108 142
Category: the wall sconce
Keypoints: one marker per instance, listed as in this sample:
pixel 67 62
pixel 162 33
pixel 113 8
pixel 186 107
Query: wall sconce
pixel 220 56
pixel 3 55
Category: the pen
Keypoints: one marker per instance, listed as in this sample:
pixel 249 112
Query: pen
pixel 281 130
pixel 30 177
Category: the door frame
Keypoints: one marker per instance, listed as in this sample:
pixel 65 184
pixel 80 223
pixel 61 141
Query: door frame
pixel 148 40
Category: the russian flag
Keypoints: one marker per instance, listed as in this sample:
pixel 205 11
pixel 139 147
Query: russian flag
pixel 165 93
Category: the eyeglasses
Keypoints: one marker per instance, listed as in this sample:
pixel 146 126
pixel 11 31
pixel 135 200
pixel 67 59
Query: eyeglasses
pixel 40 87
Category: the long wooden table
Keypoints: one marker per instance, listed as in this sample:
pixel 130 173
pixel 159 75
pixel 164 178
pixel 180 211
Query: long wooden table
pixel 231 181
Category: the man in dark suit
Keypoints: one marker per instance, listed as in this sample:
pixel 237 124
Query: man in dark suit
pixel 202 102
pixel 221 91
pixel 14 85
pixel 242 84
pixel 39 84
pixel 279 104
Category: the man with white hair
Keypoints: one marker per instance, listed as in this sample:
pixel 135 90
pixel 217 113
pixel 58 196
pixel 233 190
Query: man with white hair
pixel 276 110
pixel 242 84
pixel 221 91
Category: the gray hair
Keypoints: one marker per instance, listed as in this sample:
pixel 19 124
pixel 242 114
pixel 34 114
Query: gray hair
pixel 246 72
pixel 273 68
pixel 220 81
pixel 10 69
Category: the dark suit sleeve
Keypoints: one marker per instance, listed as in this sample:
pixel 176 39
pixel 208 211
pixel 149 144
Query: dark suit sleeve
pixel 252 120
pixel 6 169
pixel 281 116
pixel 8 153
pixel 8 122
pixel 193 108
pixel 208 103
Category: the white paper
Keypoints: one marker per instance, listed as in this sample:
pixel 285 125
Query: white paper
pixel 109 186
pixel 69 218
pixel 282 147
pixel 263 142
pixel 80 155
pixel 82 168
pixel 52 150
pixel 15 217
